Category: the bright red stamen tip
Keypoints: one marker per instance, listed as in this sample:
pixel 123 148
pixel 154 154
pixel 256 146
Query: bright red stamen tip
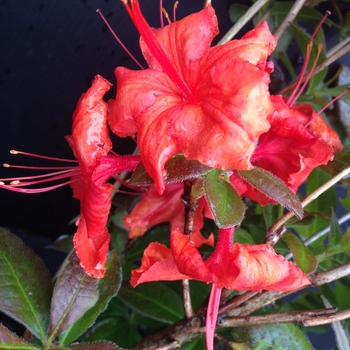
pixel 118 40
pixel 145 31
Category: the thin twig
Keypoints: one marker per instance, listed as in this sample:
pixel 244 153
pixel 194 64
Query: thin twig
pixel 186 296
pixel 271 236
pixel 242 21
pixel 298 4
pixel 326 319
pixel 284 317
pixel 337 47
pixel 320 278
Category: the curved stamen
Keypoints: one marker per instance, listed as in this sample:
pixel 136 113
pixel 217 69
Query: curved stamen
pixel 13 151
pixel 118 40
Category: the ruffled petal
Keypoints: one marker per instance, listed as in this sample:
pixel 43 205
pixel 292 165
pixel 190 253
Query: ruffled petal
pixel 157 264
pixel 154 209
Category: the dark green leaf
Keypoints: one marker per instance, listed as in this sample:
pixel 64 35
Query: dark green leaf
pixel 243 237
pixel 236 11
pixel 224 201
pixel 178 169
pixel 117 330
pixel 340 162
pixel 195 344
pixel 25 285
pixel 288 64
pixel 278 336
pixel 9 340
pixel 335 233
pixel 302 255
pixel 274 188
pixel 322 204
pixel 307 220
pixel 345 242
pixel 63 243
pixel 74 293
pixel 155 300
pixel 107 287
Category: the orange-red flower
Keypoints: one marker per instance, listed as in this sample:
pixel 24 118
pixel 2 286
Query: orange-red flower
pixel 192 98
pixel 231 266
pixel 298 141
pixel 90 143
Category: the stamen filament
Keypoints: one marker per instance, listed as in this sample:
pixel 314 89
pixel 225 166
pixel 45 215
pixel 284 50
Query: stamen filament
pixel 328 104
pixel 43 157
pixel 161 13
pixel 176 4
pixel 118 40
pixel 68 173
pixel 308 77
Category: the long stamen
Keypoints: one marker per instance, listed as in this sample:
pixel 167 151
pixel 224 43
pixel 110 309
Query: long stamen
pixel 21 184
pixel 144 29
pixel 13 151
pixel 176 4
pixel 291 100
pixel 328 104
pixel 308 77
pixel 212 315
pixel 118 40
pixel 161 13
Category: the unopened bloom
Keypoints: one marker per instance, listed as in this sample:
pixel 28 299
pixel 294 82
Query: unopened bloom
pixel 192 98
pixel 232 266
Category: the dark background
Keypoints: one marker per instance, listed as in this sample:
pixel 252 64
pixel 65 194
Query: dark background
pixel 50 52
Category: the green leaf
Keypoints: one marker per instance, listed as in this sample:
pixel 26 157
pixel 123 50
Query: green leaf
pixel 302 255
pixel 243 237
pixel 195 344
pixel 335 233
pixel 102 345
pixel 9 340
pixel 224 201
pixel 117 330
pixel 25 285
pixel 236 11
pixel 345 242
pixel 178 169
pixel 74 293
pixel 278 336
pixel 155 300
pixel 107 287
pixel 274 188
pixel 322 204
pixel 340 162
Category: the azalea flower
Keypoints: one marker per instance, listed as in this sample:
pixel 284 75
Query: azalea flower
pixel 91 145
pixel 192 98
pixel 232 266
pixel 298 141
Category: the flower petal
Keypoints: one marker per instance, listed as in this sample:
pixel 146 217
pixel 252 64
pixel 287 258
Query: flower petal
pixel 157 264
